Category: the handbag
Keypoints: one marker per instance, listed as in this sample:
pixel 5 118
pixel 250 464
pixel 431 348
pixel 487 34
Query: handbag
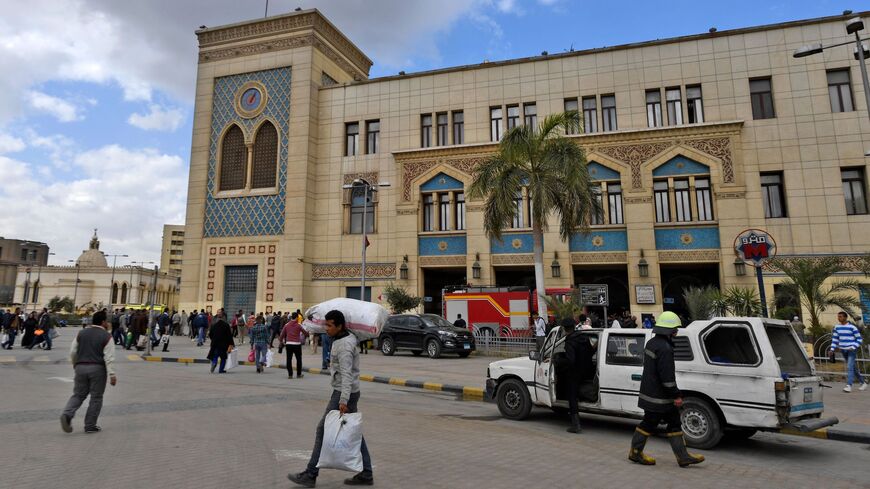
pixel 251 356
pixel 270 357
pixel 4 338
pixel 39 332
pixel 342 440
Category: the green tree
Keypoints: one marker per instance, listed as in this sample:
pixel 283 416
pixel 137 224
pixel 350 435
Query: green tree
pixel 399 299
pixel 57 304
pixel 553 170
pixel 806 282
pixel 742 301
pixel 699 301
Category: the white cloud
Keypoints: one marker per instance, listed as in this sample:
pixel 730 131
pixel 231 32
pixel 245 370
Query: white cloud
pixel 157 119
pixel 127 193
pixel 10 144
pixel 59 108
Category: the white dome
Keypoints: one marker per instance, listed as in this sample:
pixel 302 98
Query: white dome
pixel 92 257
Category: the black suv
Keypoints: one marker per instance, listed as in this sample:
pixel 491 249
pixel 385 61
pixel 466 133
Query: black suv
pixel 424 332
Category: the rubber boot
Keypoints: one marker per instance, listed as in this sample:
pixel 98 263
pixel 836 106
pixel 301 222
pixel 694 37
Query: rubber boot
pixel 638 441
pixel 678 445
pixel 575 424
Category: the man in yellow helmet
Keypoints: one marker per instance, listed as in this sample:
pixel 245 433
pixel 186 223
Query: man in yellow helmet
pixel 659 396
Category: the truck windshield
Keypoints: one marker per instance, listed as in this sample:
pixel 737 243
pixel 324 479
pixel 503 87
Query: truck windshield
pixel 788 352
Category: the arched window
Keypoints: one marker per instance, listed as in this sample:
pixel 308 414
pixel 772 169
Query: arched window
pixel 36 287
pixel 114 293
pixel 265 158
pixel 124 293
pixel 234 160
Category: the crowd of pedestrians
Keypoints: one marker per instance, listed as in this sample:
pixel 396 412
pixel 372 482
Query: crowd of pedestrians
pixel 37 329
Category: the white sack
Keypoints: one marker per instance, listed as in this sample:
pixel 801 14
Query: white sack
pixel 232 359
pixel 364 319
pixel 342 439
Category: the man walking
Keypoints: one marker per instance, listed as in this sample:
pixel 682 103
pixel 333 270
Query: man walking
pixel 578 367
pixel 659 396
pixel 93 355
pixel 11 326
pixel 260 342
pixel 460 323
pixel 200 323
pixel 847 338
pixel 345 396
pixel 540 330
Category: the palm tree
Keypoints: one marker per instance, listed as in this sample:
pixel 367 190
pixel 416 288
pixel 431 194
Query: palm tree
pixel 553 169
pixel 806 282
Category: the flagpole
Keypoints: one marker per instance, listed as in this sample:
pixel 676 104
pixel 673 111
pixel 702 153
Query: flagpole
pixel 365 240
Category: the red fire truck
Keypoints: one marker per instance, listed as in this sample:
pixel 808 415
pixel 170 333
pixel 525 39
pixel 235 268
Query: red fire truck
pixel 493 310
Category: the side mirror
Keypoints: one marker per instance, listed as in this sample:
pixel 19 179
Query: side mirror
pixel 534 355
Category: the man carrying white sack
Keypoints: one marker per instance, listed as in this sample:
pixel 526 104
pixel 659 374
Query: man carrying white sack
pixel 345 395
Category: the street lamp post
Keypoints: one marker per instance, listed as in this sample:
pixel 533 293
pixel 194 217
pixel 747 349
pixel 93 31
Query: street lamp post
pixel 853 26
pixel 367 187
pixel 132 265
pixel 36 290
pixel 112 281
pixel 76 290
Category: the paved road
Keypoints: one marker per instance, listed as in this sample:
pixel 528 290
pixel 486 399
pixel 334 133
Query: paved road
pixel 171 425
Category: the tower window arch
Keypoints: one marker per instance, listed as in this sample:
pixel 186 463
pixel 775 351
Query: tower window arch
pixel 234 160
pixel 265 157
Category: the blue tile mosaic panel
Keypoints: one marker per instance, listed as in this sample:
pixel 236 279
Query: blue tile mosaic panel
pixel 442 245
pixel 512 243
pixel 865 304
pixel 598 172
pixel 687 238
pixel 680 165
pixel 256 215
pixel 441 181
pixel 599 241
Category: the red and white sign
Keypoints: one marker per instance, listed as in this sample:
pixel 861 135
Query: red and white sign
pixel 755 247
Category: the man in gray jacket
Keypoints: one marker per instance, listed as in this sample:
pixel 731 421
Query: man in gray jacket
pixel 345 395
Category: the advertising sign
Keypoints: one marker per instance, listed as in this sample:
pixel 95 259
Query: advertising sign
pixel 755 247
pixel 646 294
pixel 594 295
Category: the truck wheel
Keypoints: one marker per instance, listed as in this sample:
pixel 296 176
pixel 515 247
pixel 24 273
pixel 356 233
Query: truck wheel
pixel 701 425
pixel 433 348
pixel 387 346
pixel 513 399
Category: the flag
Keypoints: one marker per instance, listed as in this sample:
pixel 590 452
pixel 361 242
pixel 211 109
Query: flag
pixel 367 242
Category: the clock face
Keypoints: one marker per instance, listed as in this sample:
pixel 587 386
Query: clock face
pixel 251 99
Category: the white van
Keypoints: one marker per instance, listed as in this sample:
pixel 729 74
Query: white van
pixel 737 376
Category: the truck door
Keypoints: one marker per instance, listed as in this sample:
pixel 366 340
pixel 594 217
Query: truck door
pixel 621 369
pixel 544 391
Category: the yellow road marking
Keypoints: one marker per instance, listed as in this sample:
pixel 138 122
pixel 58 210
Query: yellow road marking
pixel 432 386
pixel 821 434
pixel 397 382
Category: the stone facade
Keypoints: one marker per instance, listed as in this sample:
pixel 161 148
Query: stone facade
pixel 173 248
pixel 297 234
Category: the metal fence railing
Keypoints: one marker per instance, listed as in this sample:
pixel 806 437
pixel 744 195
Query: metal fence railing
pixel 835 366
pixel 502 346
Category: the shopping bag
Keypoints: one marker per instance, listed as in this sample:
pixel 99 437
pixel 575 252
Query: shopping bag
pixel 143 341
pixel 4 338
pixel 232 359
pixel 251 357
pixel 270 357
pixel 164 339
pixel 53 333
pixel 363 319
pixel 342 438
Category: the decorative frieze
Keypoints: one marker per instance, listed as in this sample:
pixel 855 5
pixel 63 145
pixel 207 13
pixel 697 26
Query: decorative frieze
pixel 730 195
pixel 688 256
pixel 634 155
pixel 646 199
pixel 342 271
pixel 443 261
pixel 414 168
pixel 598 257
pixel 852 263
pixel 718 147
pixel 514 259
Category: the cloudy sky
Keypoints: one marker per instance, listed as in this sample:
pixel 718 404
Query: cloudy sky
pixel 95 122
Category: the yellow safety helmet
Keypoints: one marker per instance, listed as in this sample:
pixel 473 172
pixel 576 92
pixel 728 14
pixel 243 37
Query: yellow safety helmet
pixel 666 323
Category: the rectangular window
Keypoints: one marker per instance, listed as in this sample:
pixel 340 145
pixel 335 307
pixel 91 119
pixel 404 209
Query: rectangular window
pixel 458 127
pixel 428 212
pixel 598 217
pixel 513 116
pixel 703 199
pixel 625 349
pixel 351 145
pixel 663 208
pixel 24 254
pixel 773 195
pixel 608 112
pixel 530 114
pixel 654 108
pixel 353 293
pixel 425 131
pixel 694 104
pixel 495 128
pixel 518 211
pixel 674 99
pixel 614 202
pixel 444 212
pixel 358 208
pixel 682 201
pixel 441 119
pixel 840 90
pixel 571 105
pixel 590 115
pixel 459 213
pixel 853 190
pixel 761 96
pixel 729 344
pixel 373 136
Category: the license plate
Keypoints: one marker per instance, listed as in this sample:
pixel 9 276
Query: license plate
pixel 808 394
pixel 466 346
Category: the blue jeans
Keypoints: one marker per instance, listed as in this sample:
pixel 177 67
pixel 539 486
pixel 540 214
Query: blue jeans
pixel 48 337
pixel 326 342
pixel 260 350
pixel 200 338
pixel 223 359
pixel 852 371
pixel 11 340
pixel 318 441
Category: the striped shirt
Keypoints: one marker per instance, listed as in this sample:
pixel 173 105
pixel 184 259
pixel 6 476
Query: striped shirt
pixel 846 337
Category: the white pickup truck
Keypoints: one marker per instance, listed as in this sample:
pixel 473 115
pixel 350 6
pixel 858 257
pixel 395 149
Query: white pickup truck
pixel 737 376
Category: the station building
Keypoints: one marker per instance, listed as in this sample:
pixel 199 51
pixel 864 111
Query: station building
pixel 691 140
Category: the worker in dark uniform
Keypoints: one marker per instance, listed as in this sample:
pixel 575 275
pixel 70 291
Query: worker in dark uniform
pixel 659 396
pixel 578 367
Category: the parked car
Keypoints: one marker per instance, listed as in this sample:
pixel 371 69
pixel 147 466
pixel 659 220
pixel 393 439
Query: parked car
pixel 736 375
pixel 424 332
